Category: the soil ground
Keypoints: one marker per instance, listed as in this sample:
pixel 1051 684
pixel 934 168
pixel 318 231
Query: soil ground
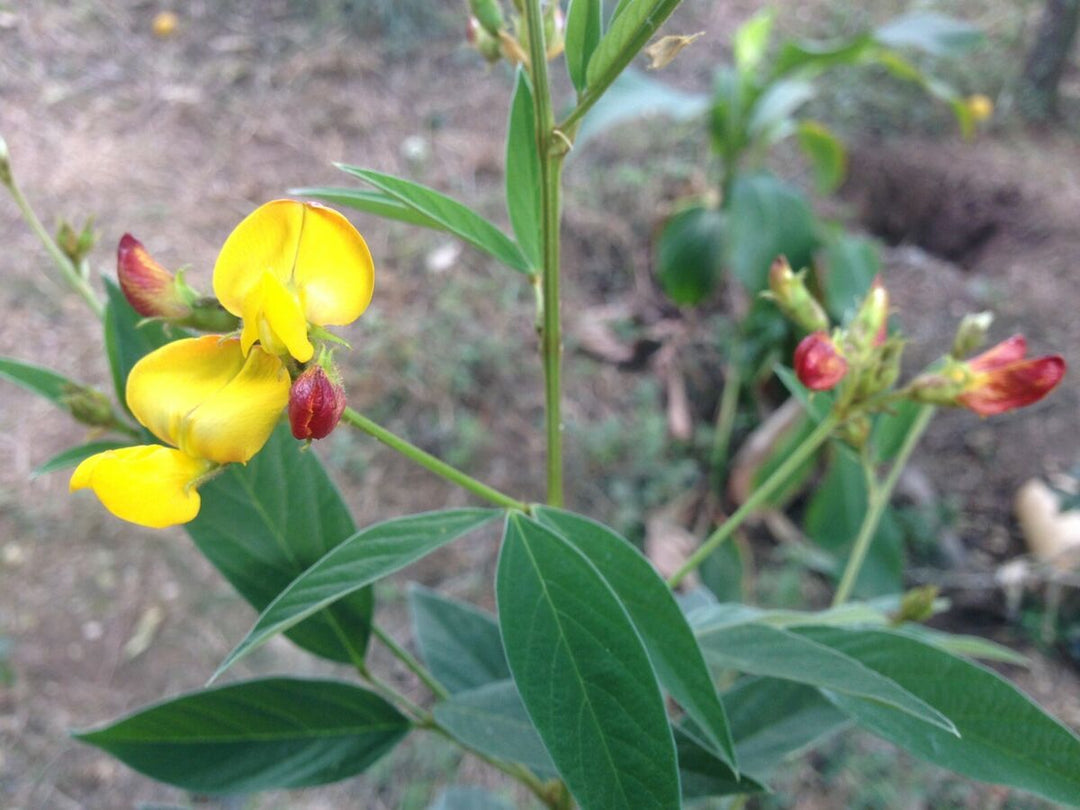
pixel 175 139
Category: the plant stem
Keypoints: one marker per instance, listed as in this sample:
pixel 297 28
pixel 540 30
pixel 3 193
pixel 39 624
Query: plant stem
pixel 725 421
pixel 63 263
pixel 420 715
pixel 878 496
pixel 428 461
pixel 781 474
pixel 409 660
pixel 551 152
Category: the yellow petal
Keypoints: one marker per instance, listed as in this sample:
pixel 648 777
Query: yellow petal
pixel 313 251
pixel 334 272
pixel 235 422
pixel 149 485
pixel 272 315
pixel 204 397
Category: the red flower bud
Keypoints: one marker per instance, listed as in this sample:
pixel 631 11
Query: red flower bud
pixel 1002 379
pixel 818 364
pixel 315 404
pixel 151 290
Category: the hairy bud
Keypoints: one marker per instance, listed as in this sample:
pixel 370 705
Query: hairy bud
pixel 316 403
pixel 818 363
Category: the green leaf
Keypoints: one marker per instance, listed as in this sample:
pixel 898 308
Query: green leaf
pixel 264 523
pixel 364 558
pixel 816 403
pixel 492 720
pixel 583 673
pixel 751 41
pixel 772 719
pixel 37 379
pixel 460 797
pixel 634 95
pixel 810 58
pixel 256 735
pixel 967 646
pixel 523 171
pixel 759 649
pixel 460 644
pixel 584 27
pixel 702 773
pixel 771 114
pixel 450 215
pixel 851 264
pixel 669 641
pixel 929 32
pixel 370 202
pixel 74 455
pixel 1004 737
pixel 689 255
pixel 826 154
pixel 767 218
pixel 833 518
pixel 724 572
pixel 632 25
pixel 129 336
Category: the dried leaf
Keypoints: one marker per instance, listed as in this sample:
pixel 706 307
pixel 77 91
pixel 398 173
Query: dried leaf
pixel 664 50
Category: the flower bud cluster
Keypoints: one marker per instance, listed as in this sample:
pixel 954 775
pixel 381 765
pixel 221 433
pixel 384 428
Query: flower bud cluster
pixel 495 37
pixel 861 360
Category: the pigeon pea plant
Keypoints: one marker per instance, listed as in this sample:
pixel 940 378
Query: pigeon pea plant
pixel 591 687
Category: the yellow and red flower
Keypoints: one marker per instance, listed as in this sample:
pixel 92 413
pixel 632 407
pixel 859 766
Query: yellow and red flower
pixel 1002 378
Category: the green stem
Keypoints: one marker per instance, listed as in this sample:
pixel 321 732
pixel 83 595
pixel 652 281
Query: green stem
pixel 60 259
pixel 878 496
pixel 409 660
pixel 792 463
pixel 725 422
pixel 419 715
pixel 428 461
pixel 551 151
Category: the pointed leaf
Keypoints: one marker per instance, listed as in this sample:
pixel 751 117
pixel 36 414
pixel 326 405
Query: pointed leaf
pixel 256 735
pixel 583 674
pixel 826 154
pixel 370 202
pixel 772 719
pixel 37 379
pixel 1004 736
pixel 689 254
pixel 850 265
pixel 751 41
pixel 669 641
pixel 632 25
pixel 451 215
pixel 460 644
pixel 762 650
pixel 492 720
pixel 264 523
pixel 584 27
pixel 635 95
pixel 929 32
pixel 523 171
pixel 73 455
pixel 364 558
pixel 702 773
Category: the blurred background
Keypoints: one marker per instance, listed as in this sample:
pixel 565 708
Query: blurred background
pixel 174 127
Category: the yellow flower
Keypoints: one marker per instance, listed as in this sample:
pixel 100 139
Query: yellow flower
pixel 289 265
pixel 209 402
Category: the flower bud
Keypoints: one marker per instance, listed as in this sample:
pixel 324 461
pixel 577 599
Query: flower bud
pixel 489 14
pixel 855 430
pixel 883 368
pixel 76 246
pixel 818 363
pixel 316 403
pixel 870 324
pixel 487 45
pixel 971 334
pixel 980 107
pixel 554 26
pixel 788 290
pixel 88 405
pixel 151 290
pixel 917 605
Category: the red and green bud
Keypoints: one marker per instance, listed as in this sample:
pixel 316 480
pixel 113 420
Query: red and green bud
pixel 316 402
pixel 819 365
pixel 788 289
pixel 151 290
pixel 870 325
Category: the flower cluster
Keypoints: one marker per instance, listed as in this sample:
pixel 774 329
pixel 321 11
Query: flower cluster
pixel 862 361
pixel 287 271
